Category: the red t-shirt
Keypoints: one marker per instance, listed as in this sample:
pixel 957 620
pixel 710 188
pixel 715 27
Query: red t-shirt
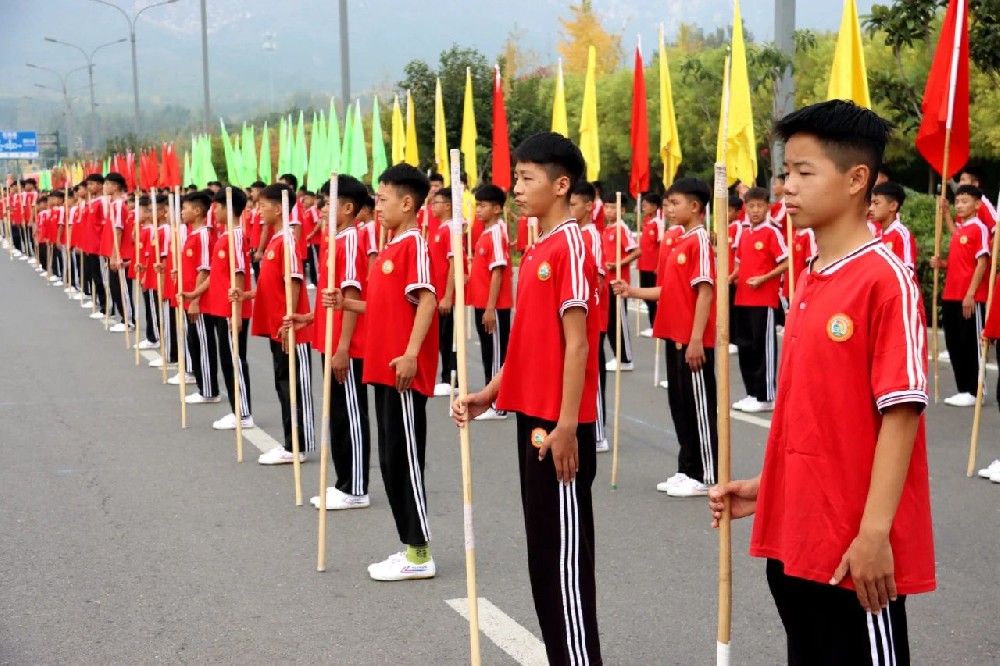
pixel 367 238
pixel 875 228
pixel 197 257
pixel 777 215
pixel 426 221
pixel 351 271
pixel 898 238
pixel 254 230
pixel 735 234
pixel 492 252
pixel 592 243
pixel 597 216
pixel 556 274
pixel 690 263
pixel 439 247
pixel 803 249
pixel 269 304
pixel 649 244
pixel 992 328
pixel 93 223
pixel 169 283
pixel 761 249
pixel 859 323
pixel 42 223
pixel 628 243
pixel 310 219
pixel 401 270
pixel 113 219
pixel 215 300
pixel 969 242
pixel 126 247
pixel 147 256
pixel 75 227
pixel 987 214
pixel 522 234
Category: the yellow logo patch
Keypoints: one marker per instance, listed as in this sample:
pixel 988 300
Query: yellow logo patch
pixel 544 271
pixel 963 240
pixel 270 255
pixel 189 252
pixel 681 258
pixel 538 436
pixel 670 241
pixel 888 244
pixel 759 245
pixel 840 328
pixel 222 254
pixel 387 266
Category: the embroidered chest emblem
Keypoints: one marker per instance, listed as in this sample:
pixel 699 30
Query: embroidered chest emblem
pixel 270 255
pixel 222 254
pixel 189 252
pixel 963 240
pixel 840 328
pixel 759 245
pixel 544 271
pixel 888 244
pixel 387 266
pixel 681 258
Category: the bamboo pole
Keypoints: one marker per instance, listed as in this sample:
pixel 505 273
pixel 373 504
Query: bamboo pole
pixel 324 448
pixel 136 289
pixel 465 440
pixel 619 322
pixel 159 287
pixel 790 236
pixel 122 282
pixel 181 317
pixel 235 321
pixel 984 356
pixel 287 238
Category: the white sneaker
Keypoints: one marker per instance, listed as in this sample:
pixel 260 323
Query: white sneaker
pixel 742 402
pixel 337 500
pixel 199 399
pixel 85 304
pixel 23 257
pixel 279 456
pixel 97 315
pixel 961 400
pixel 664 384
pixel 310 286
pixel 79 296
pixel 944 356
pixel 491 415
pixel 664 486
pixel 119 328
pixel 176 379
pixel 612 366
pixel 397 567
pixel 158 363
pixel 688 488
pixel 32 261
pixel 442 390
pixel 733 349
pixel 602 446
pixel 990 470
pixel 646 333
pixel 754 406
pixel 995 477
pixel 57 283
pixel 146 344
pixel 17 253
pixel 228 422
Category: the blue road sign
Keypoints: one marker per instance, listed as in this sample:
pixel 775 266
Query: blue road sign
pixel 17 145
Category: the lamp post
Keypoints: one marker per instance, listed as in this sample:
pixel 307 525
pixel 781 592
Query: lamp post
pixel 131 20
pixel 89 57
pixel 65 93
pixel 271 46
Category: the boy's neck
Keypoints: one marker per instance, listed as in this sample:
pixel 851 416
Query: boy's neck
pixel 693 223
pixel 198 222
pixel 556 215
pixel 841 236
pixel 409 223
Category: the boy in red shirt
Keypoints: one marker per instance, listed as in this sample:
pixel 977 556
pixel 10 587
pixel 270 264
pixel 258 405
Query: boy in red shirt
pixel 685 281
pixel 963 302
pixel 761 260
pixel 427 220
pixel 887 200
pixel 400 363
pixel 777 213
pixel 549 380
pixel 735 232
pixel 843 502
pixel 268 322
pixel 90 244
pixel 617 232
pixel 117 233
pixel 144 272
pixel 217 309
pixel 491 293
pixel 442 262
pixel 649 250
pixel 987 211
pixel 310 235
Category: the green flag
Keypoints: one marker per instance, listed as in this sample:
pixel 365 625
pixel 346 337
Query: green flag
pixel 333 140
pixel 359 151
pixel 379 162
pixel 206 169
pixel 227 148
pixel 282 147
pixel 314 172
pixel 187 169
pixel 345 150
pixel 264 172
pixel 322 170
pixel 236 177
pixel 249 170
pixel 300 158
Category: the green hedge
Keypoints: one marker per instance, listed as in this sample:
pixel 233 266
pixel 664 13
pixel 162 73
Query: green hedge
pixel 918 215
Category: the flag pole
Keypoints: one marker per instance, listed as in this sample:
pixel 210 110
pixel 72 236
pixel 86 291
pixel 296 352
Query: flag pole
pixel 289 237
pixel 465 440
pixel 790 241
pixel 235 321
pixel 135 280
pixel 159 287
pixel 107 264
pixel 619 321
pixel 985 343
pixel 122 273
pixel 939 214
pixel 638 231
pixel 324 440
pixel 175 223
pixel 725 624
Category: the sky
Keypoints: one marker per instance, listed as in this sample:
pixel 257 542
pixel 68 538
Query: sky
pixel 384 36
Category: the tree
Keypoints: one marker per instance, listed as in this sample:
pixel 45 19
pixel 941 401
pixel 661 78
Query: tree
pixel 581 31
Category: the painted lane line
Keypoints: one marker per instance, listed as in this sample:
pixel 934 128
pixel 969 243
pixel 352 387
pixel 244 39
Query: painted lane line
pixel 520 644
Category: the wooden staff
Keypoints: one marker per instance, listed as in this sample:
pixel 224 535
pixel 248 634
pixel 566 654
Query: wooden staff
pixel 725 623
pixel 287 239
pixel 938 224
pixel 175 223
pixel 324 446
pixel 48 257
pixel 106 200
pixel 122 282
pixel 470 251
pixel 618 342
pixel 974 442
pixel 159 287
pixel 638 228
pixel 656 365
pixel 235 321
pixel 465 441
pixel 70 260
pixel 790 235
pixel 135 281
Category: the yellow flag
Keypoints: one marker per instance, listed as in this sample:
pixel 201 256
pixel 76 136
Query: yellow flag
pixel 737 125
pixel 670 142
pixel 411 154
pixel 589 140
pixel 469 134
pixel 441 137
pixel 848 76
pixel 559 122
pixel 398 133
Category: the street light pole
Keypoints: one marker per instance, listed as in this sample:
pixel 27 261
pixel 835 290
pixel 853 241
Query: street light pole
pixel 345 56
pixel 65 91
pixel 784 98
pixel 204 66
pixel 131 20
pixel 90 70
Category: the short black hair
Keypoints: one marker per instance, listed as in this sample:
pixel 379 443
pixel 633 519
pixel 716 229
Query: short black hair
pixel 977 173
pixel 57 194
pixel 585 190
pixel 308 193
pixel 201 198
pixel 435 177
pixel 349 188
pixel 273 193
pixel 162 199
pixel 779 176
pixel 444 192
pixel 214 182
pixel 144 201
pixel 757 194
pixel 291 179
pixel 735 202
pixel 117 179
pixel 971 190
pixel 239 200
pixel 653 198
pixel 886 171
pixel 556 154
pixel 42 199
pixel 92 178
pixel 258 184
pixel 408 178
pixel 892 191
pixel 691 188
pixel 491 194
pixel 369 202
pixel 30 181
pixel 849 133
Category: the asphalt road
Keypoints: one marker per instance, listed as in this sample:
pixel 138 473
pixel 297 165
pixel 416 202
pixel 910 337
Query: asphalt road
pixel 126 540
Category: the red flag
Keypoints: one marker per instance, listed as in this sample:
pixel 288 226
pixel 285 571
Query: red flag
pixel 638 180
pixel 170 172
pixel 946 97
pixel 130 170
pixel 501 141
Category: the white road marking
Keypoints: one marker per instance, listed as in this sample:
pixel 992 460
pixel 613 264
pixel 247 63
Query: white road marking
pixel 519 643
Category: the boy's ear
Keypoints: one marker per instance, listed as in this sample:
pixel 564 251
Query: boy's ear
pixel 859 175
